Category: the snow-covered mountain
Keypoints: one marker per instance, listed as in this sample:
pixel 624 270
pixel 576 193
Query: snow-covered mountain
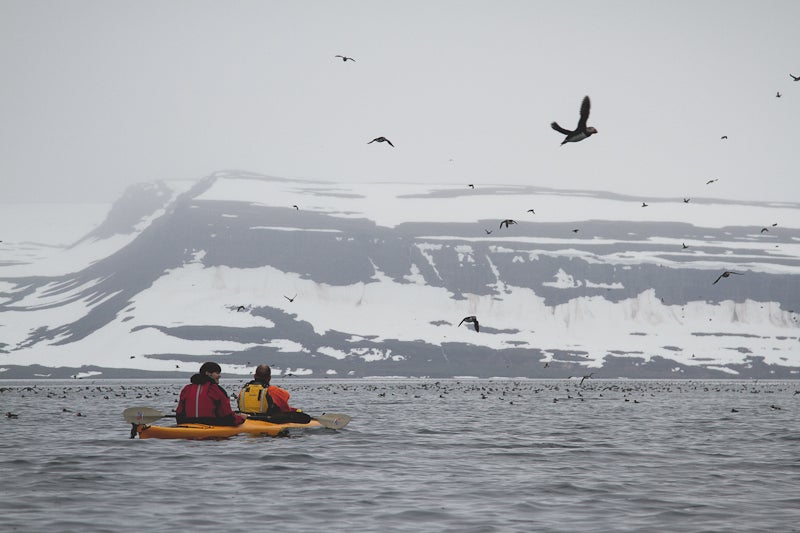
pixel 330 279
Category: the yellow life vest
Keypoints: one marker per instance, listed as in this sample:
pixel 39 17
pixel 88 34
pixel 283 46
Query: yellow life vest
pixel 254 398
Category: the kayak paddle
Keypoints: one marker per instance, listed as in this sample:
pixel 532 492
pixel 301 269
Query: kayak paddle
pixel 147 415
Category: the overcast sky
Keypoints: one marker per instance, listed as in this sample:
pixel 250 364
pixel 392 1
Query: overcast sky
pixel 97 95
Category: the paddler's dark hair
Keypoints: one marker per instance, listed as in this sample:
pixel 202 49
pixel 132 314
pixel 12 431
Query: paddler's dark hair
pixel 263 373
pixel 210 367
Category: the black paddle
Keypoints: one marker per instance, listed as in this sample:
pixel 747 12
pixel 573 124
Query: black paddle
pixel 148 415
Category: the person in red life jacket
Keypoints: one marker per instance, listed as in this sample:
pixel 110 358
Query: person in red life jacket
pixel 203 401
pixel 259 396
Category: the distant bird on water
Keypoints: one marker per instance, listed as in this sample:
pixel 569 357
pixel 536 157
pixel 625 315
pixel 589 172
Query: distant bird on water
pixel 727 274
pixel 582 131
pixel 709 182
pixel 778 94
pixel 345 58
pixel 795 78
pixel 9 414
pixel 381 140
pixel 684 246
pixel 644 204
pixel 507 222
pixel 471 319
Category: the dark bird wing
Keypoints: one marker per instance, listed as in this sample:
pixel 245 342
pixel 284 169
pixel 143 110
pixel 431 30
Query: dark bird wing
pixel 477 326
pixel 559 129
pixel 462 321
pixel 719 278
pixel 585 107
pixel 388 141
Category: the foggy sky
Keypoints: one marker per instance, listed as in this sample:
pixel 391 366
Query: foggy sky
pixel 97 95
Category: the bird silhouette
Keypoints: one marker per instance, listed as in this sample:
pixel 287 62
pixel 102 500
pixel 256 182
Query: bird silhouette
pixel 507 222
pixel 581 132
pixel 764 229
pixel 381 140
pixel 531 211
pixel 778 94
pixel 290 299
pixel 471 319
pixel 709 182
pixel 240 309
pixel 9 414
pixel 774 224
pixel 471 186
pixel 488 231
pixel 587 376
pixel 724 137
pixel 345 58
pixel 684 246
pixel 644 204
pixel 686 200
pixel 727 274
pixel 296 207
pixel 795 78
pixel 575 231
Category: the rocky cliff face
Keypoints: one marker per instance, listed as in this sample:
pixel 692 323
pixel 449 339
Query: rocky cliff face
pixel 325 279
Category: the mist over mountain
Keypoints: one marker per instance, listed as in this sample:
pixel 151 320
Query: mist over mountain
pixel 327 279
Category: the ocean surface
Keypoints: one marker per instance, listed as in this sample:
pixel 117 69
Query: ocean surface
pixel 458 455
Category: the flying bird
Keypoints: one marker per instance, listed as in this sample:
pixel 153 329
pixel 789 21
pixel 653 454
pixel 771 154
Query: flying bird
pixel 582 131
pixel 764 229
pixel 488 231
pixel 774 224
pixel 471 319
pixel 644 204
pixel 724 137
pixel 290 299
pixel 795 78
pixel 507 222
pixel 684 246
pixel 709 182
pixel 240 309
pixel 381 140
pixel 296 207
pixel 778 94
pixel 686 200
pixel 585 378
pixel 574 231
pixel 471 186
pixel 345 58
pixel 727 274
pixel 531 211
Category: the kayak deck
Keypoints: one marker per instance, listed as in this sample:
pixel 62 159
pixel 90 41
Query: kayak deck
pixel 204 431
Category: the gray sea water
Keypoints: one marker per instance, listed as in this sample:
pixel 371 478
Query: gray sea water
pixel 419 455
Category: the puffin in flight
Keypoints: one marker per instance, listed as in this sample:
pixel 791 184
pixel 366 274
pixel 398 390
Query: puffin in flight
pixel 473 319
pixel 727 274
pixel 582 131
pixel 381 140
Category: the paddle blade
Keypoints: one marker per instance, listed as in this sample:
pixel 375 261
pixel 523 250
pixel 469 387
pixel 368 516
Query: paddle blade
pixel 142 415
pixel 333 420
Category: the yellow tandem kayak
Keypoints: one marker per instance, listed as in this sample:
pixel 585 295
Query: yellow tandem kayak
pixel 203 431
pixel 141 419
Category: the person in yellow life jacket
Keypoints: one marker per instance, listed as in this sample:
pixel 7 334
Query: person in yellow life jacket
pixel 259 397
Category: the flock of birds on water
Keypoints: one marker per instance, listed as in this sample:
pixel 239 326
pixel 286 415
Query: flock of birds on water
pixel 505 391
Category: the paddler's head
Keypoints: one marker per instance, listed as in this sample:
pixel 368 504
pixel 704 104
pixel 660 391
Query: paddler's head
pixel 212 370
pixel 263 373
